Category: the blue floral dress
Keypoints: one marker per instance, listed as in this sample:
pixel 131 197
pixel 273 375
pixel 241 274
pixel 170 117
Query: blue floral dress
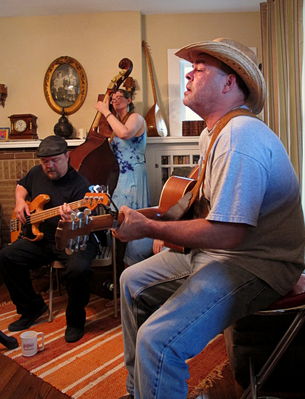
pixel 132 186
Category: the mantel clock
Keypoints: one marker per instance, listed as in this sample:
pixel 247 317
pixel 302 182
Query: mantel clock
pixel 23 126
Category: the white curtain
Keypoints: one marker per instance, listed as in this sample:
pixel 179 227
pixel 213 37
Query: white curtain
pixel 303 109
pixel 282 45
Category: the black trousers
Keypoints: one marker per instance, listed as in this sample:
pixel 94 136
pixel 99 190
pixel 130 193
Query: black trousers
pixel 22 256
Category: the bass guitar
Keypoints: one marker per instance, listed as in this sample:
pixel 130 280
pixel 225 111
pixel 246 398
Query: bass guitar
pixel 30 229
pixel 71 235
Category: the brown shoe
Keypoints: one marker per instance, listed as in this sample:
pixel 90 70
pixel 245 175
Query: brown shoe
pixel 128 396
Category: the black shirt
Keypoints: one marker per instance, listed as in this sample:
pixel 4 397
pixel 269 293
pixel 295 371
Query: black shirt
pixel 71 187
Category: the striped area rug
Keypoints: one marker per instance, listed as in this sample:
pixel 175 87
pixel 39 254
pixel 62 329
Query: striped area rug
pixel 93 367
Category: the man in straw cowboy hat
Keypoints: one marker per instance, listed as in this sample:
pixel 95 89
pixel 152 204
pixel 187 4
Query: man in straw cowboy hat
pixel 244 253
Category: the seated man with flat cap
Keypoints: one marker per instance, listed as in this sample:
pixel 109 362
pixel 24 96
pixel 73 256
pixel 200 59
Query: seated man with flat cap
pixel 56 178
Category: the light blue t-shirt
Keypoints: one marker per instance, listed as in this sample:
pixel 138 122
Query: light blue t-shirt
pixel 250 179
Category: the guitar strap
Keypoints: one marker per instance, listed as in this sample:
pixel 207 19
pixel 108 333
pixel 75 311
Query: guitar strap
pixel 178 210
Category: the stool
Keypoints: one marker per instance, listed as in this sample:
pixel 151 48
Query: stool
pixel 55 265
pixel 294 301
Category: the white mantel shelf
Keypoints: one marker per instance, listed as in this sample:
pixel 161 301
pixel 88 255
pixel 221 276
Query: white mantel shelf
pixel 32 143
pixel 22 144
pixel 173 140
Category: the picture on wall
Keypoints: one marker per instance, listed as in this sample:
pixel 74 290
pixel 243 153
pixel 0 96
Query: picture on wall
pixel 4 132
pixel 65 85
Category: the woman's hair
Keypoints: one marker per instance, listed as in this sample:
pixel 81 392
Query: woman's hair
pixel 128 92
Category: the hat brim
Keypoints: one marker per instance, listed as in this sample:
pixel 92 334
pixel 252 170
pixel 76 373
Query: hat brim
pixel 46 154
pixel 236 59
pixel 52 146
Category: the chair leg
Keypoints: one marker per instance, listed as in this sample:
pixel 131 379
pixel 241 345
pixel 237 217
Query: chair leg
pixel 277 353
pixel 115 277
pixel 58 284
pixel 51 295
pixel 253 381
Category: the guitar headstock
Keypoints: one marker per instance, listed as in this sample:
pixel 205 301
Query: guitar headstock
pixel 73 235
pixel 93 199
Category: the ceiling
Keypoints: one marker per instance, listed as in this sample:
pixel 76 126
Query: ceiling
pixel 13 8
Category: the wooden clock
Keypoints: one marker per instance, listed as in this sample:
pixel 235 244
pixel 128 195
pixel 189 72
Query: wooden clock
pixel 23 126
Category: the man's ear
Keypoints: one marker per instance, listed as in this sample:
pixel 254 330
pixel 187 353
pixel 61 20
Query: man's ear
pixel 230 82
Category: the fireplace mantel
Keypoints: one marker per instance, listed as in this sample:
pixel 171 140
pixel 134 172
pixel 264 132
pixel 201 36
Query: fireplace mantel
pixel 22 144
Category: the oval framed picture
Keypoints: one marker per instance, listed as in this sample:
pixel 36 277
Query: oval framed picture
pixel 65 85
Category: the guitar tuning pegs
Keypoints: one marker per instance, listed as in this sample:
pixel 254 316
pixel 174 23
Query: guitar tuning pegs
pixel 87 213
pixel 69 251
pixel 80 218
pixel 70 247
pixel 73 220
pixel 74 225
pixel 97 188
pixel 83 244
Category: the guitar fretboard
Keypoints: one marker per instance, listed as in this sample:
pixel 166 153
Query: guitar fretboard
pixel 49 213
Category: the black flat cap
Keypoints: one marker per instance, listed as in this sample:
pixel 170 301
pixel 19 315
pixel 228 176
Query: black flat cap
pixel 51 146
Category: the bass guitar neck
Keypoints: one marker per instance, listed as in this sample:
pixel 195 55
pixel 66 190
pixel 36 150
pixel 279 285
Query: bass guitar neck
pixel 30 229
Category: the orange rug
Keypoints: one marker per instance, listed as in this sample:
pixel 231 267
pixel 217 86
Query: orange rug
pixel 93 367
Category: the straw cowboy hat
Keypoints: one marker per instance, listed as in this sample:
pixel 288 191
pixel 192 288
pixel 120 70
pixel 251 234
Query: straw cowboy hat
pixel 238 57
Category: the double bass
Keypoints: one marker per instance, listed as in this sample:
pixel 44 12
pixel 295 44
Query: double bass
pixel 94 158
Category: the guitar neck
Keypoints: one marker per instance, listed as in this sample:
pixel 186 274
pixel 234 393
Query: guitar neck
pixel 108 221
pixel 174 189
pixel 70 230
pixel 149 63
pixel 98 115
pixel 50 213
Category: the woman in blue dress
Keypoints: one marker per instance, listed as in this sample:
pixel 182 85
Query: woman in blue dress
pixel 128 144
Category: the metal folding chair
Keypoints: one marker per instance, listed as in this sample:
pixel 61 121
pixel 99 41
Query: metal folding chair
pixel 293 302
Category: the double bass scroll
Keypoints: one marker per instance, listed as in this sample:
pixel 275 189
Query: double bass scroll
pixel 125 66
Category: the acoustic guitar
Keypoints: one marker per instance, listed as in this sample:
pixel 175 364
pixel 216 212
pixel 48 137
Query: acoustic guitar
pixel 30 229
pixel 71 234
pixel 156 125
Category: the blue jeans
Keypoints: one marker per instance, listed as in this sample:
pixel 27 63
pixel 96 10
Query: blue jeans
pixel 172 305
pixel 138 250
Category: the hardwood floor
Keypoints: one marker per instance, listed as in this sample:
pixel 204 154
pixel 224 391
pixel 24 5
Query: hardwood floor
pixel 18 383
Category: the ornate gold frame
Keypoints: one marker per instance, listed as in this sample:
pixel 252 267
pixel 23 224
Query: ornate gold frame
pixel 77 92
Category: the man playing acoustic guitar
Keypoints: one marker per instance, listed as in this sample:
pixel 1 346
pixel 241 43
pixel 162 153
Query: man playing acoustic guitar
pixel 62 184
pixel 244 254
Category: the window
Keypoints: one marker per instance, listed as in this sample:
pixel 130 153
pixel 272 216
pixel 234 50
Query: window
pixel 177 69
